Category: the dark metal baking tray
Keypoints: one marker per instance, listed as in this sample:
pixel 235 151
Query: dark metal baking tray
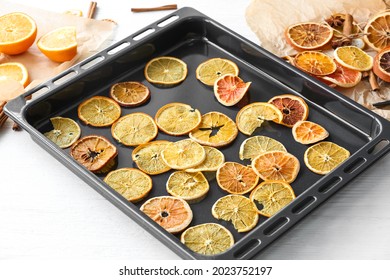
pixel 194 37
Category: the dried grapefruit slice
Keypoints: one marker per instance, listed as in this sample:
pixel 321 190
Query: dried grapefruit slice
pixel 306 132
pixel 130 94
pixel 256 145
pixel 377 31
pixel 165 70
pixel 214 159
pixel 276 166
pixel 65 132
pixel 308 35
pixel 353 58
pixel 192 187
pixel 183 154
pixel 212 69
pixel 230 89
pixel 343 77
pixel 99 111
pixel 236 178
pixel 14 71
pixel 293 108
pixel 207 239
pixel 148 157
pixel 172 213
pixel 272 196
pixel 315 63
pixel 382 64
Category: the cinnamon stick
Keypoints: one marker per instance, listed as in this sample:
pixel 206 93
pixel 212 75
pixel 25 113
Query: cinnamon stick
pixel 92 9
pixel 347 25
pixel 373 81
pixel 161 8
pixel 3 116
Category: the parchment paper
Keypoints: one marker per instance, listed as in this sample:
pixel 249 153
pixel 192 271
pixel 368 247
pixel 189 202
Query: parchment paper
pixel 269 19
pixel 91 34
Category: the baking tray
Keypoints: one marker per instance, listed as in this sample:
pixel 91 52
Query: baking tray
pixel 194 37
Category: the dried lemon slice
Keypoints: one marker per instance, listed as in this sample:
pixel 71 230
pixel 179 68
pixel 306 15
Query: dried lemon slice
pixel 134 129
pixel 353 58
pixel 131 183
pixel 236 178
pixel 192 187
pixel 214 159
pixel 99 111
pixel 256 145
pixel 148 157
pixel 215 130
pixel 272 196
pixel 254 115
pixel 177 118
pixel 207 239
pixel 238 209
pixel 165 70
pixel 65 132
pixel 183 154
pixel 212 69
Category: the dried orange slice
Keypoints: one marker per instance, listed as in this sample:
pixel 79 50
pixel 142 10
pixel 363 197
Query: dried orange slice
pixel 214 159
pixel 315 63
pixel 60 44
pixel 134 129
pixel 148 157
pixel 183 154
pixel 17 33
pixel 192 187
pixel 236 178
pixel 382 64
pixel 131 183
pixel 306 132
pixel 256 145
pixel 14 71
pixel 230 89
pixel 252 116
pixel 207 239
pixel 172 213
pixel 293 108
pixel 99 111
pixel 343 77
pixel 308 35
pixel 323 157
pixel 94 152
pixel 238 209
pixel 215 130
pixel 276 166
pixel 272 196
pixel 353 58
pixel 377 31
pixel 65 132
pixel 212 69
pixel 177 118
pixel 130 94
pixel 165 70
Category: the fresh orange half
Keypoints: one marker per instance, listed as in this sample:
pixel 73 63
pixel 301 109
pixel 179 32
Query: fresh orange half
pixel 99 111
pixel 212 69
pixel 306 132
pixel 17 33
pixel 130 94
pixel 14 71
pixel 343 77
pixel 377 31
pixel 230 89
pixel 315 63
pixel 382 64
pixel 308 35
pixel 236 178
pixel 293 108
pixel 276 166
pixel 172 213
pixel 60 44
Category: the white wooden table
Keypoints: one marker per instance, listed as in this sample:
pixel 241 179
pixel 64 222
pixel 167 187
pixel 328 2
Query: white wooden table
pixel 46 212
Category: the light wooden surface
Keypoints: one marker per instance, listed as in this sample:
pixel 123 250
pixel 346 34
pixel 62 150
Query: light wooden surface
pixel 46 212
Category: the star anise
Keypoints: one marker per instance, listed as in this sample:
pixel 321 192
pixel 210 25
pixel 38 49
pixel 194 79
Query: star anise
pixel 335 21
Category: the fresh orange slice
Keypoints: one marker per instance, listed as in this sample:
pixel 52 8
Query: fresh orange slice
pixel 207 239
pixel 315 63
pixel 256 145
pixel 212 69
pixel 230 89
pixel 130 94
pixel 276 166
pixel 377 31
pixel 353 58
pixel 134 129
pixel 192 187
pixel 215 130
pixel 131 183
pixel 272 196
pixel 306 132
pixel 14 71
pixel 65 132
pixel 166 71
pixel 236 178
pixel 177 118
pixel 308 35
pixel 293 108
pixel 99 111
pixel 148 157
pixel 94 152
pixel 17 33
pixel 382 64
pixel 60 44
pixel 172 213
pixel 343 77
